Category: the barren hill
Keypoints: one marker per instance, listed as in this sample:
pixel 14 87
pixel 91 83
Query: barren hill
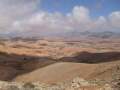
pixel 59 61
pixel 60 72
pixel 12 65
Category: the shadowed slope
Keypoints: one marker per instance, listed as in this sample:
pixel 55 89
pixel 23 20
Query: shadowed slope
pixel 80 65
pixel 30 68
pixel 12 65
pixel 60 72
pixel 88 57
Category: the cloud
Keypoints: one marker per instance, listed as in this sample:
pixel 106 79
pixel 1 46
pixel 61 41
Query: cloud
pixel 115 19
pixel 46 22
pixel 12 10
pixel 80 14
pixel 77 20
pixel 17 7
pixel 23 16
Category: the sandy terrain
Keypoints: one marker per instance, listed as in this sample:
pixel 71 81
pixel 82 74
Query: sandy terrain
pixel 66 71
pixel 59 61
pixel 58 49
pixel 58 72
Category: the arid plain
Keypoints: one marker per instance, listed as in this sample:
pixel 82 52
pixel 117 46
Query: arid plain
pixel 57 61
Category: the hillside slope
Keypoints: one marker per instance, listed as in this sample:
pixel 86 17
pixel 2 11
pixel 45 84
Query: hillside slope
pixel 60 72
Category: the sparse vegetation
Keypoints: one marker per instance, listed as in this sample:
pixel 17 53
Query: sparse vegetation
pixel 12 87
pixel 28 86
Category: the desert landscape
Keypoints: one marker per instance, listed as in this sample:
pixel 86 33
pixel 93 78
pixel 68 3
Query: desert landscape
pixel 59 44
pixel 58 62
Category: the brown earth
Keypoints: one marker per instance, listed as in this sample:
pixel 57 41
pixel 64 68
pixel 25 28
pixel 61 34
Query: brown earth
pixel 12 65
pixel 60 72
pixel 53 62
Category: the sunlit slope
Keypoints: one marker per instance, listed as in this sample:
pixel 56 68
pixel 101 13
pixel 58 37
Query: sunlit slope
pixel 59 72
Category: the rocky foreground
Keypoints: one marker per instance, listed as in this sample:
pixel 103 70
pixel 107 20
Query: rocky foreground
pixel 75 84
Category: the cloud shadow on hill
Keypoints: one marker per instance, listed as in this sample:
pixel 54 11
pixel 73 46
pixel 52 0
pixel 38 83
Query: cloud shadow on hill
pixel 12 65
pixel 93 58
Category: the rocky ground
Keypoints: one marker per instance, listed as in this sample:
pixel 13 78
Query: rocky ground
pixel 75 84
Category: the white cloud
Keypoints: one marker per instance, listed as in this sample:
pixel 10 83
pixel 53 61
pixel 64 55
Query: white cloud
pixel 100 23
pixel 12 10
pixel 21 15
pixel 80 13
pixel 115 19
pixel 78 19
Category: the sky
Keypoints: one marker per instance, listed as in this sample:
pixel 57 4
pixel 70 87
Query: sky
pixel 97 7
pixel 58 16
